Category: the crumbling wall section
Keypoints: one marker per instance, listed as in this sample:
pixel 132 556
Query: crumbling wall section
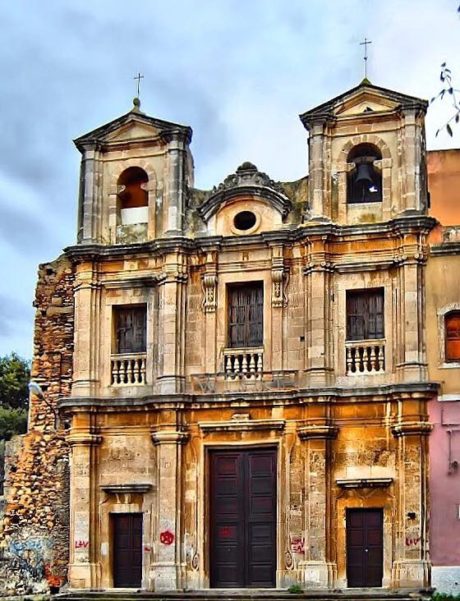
pixel 36 523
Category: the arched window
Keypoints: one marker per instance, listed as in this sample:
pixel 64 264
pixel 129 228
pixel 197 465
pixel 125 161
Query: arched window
pixel 365 180
pixel 132 195
pixel 134 199
pixel 452 335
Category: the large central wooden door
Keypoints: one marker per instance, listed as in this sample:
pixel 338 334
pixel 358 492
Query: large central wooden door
pixel 127 549
pixel 364 547
pixel 243 518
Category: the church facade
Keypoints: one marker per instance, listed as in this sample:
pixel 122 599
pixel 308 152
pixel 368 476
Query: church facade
pixel 241 374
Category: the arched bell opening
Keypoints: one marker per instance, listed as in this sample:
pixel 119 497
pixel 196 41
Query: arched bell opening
pixel 133 197
pixel 365 180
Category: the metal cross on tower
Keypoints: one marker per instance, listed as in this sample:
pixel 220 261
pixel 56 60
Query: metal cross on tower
pixel 138 77
pixel 365 44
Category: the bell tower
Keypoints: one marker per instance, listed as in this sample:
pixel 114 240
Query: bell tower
pixel 366 156
pixel 135 171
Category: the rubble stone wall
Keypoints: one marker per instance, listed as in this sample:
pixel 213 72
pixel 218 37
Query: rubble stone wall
pixel 36 522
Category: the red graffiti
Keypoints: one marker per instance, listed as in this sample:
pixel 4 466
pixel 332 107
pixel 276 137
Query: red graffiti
pixel 297 544
pixel 412 542
pixel 147 549
pixel 166 537
pixel 225 532
pixel 81 544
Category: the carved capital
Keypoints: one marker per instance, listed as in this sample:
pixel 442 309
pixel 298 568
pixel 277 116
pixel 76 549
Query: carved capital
pixel 317 430
pixel 412 428
pixel 169 437
pixel 280 280
pixel 83 439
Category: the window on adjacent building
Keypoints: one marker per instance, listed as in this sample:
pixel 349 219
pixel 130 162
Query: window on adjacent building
pixel 452 335
pixel 245 315
pixel 365 314
pixel 130 325
pixel 364 183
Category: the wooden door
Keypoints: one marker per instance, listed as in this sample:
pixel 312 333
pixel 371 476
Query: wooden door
pixel 243 518
pixel 364 547
pixel 127 550
pixel 245 319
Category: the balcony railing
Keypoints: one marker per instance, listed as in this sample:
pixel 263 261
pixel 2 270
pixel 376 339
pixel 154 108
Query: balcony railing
pixel 365 357
pixel 128 369
pixel 243 363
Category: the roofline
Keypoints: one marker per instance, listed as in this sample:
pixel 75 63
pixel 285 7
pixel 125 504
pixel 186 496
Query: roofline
pixel 322 108
pixel 166 126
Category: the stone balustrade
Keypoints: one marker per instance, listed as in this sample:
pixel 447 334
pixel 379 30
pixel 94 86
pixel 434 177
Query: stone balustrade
pixel 128 369
pixel 243 363
pixel 365 357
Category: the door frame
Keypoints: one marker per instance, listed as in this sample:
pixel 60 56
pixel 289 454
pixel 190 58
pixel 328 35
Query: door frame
pixel 112 519
pixel 208 448
pixel 377 499
pixel 349 511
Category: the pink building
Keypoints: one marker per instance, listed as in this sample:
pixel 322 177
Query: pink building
pixel 443 346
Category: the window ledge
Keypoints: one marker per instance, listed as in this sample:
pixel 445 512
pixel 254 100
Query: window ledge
pixel 450 365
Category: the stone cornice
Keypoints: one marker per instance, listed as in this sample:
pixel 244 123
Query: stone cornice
pixel 400 392
pixel 446 248
pixel 401 225
pixel 116 489
pixel 244 425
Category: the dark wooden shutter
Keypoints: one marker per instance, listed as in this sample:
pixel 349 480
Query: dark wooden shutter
pixel 130 326
pixel 365 314
pixel 246 315
pixel 452 333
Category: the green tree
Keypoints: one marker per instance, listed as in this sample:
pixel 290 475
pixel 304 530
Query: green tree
pixel 14 377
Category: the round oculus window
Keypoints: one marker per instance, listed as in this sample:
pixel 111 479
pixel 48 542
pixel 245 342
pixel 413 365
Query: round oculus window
pixel 245 220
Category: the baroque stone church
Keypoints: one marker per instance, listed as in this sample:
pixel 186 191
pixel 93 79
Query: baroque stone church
pixel 235 381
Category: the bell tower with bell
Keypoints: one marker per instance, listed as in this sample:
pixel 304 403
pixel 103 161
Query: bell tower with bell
pixel 366 156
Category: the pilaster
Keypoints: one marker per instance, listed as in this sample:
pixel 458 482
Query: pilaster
pixel 168 570
pixel 318 569
pixel 90 198
pixel 171 335
pixel 175 191
pixel 84 571
pixel 412 567
pixel 318 330
pixel 87 294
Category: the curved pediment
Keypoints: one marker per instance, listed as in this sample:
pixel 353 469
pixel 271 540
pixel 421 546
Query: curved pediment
pixel 246 182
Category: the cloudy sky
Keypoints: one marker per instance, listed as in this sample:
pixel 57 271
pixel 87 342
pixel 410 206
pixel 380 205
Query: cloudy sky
pixel 237 71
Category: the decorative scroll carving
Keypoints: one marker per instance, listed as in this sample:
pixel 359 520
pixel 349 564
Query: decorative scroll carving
pixel 280 279
pixel 209 292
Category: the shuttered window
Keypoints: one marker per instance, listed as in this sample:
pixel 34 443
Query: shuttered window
pixel 245 318
pixel 365 314
pixel 452 335
pixel 130 329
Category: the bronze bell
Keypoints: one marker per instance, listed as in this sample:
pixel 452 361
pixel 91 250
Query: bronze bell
pixel 364 173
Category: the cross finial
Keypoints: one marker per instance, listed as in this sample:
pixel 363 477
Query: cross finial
pixel 138 77
pixel 365 44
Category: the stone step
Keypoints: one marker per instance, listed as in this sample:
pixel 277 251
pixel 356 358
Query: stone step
pixel 248 595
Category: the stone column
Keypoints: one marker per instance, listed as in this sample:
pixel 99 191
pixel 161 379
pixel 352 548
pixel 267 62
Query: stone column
pixel 318 330
pixel 319 571
pixel 171 324
pixel 84 570
pixel 316 163
pixel 174 204
pixel 414 184
pixel 411 362
pixel 168 570
pixel 411 567
pixel 87 297
pixel 90 199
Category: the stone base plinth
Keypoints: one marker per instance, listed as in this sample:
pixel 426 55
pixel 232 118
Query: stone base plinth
pixel 83 575
pixel 317 574
pixel 411 573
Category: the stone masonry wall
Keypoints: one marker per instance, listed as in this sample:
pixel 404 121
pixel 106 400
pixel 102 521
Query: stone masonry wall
pixel 36 523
